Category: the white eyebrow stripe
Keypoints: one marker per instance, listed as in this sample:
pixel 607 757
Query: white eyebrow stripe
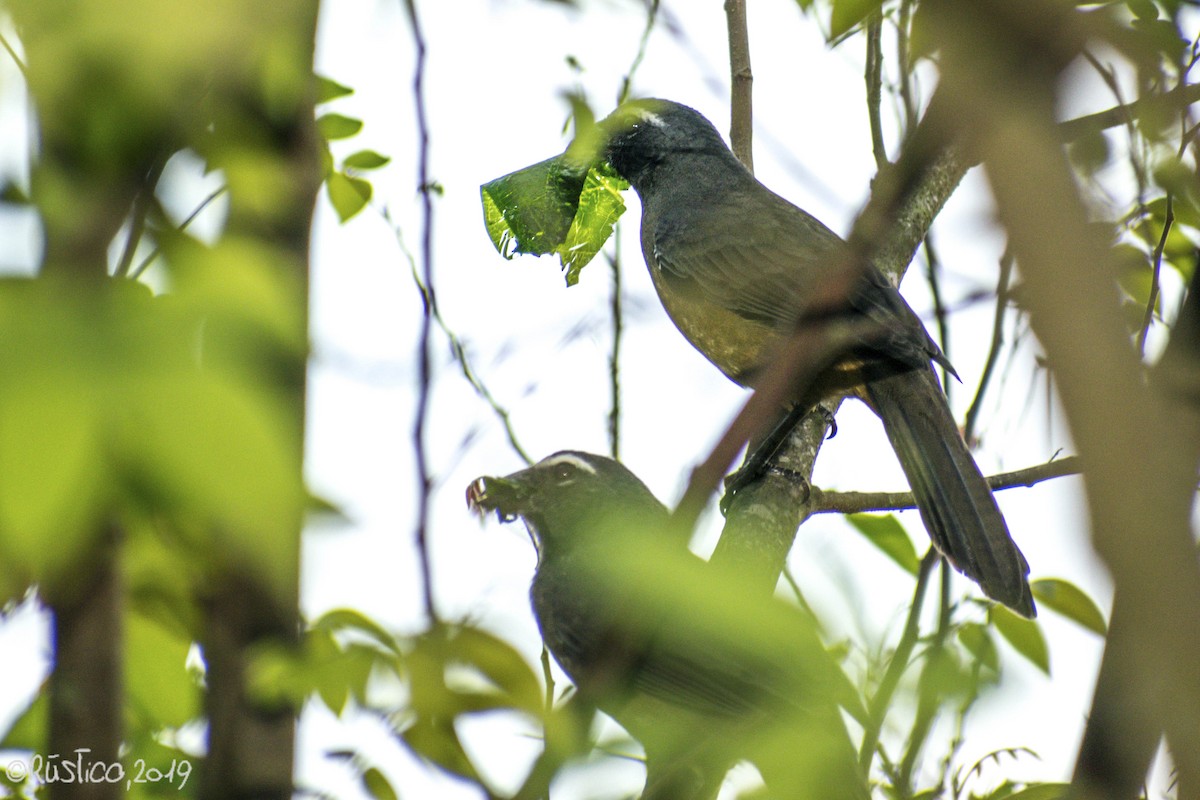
pixel 651 117
pixel 567 458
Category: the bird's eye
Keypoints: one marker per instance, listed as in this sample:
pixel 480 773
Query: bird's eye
pixel 564 472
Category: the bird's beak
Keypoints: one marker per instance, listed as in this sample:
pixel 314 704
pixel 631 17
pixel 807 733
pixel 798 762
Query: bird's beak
pixel 503 495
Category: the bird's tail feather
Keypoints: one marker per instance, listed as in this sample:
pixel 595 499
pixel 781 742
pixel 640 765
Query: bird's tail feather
pixel 955 501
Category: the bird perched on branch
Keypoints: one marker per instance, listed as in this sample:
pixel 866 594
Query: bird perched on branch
pixel 702 668
pixel 739 269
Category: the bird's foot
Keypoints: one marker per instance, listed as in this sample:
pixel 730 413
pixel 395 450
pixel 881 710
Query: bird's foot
pixel 737 481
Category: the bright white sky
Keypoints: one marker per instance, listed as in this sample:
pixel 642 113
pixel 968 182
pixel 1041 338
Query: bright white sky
pixel 495 78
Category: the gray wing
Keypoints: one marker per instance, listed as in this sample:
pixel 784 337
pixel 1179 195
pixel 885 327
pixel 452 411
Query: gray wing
pixel 772 266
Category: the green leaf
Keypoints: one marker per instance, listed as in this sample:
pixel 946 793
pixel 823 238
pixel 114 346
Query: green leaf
pixel 377 785
pixel 348 195
pixel 848 13
pixel 1072 602
pixel 365 159
pixel 1143 9
pixel 436 741
pixel 338 126
pixel 499 663
pixel 979 643
pixel 600 206
pixel 886 533
pixel 532 210
pixel 1041 791
pixel 329 89
pixel 349 619
pixel 1090 152
pixel 29 731
pixel 1025 635
pixel 160 690
pixel 50 457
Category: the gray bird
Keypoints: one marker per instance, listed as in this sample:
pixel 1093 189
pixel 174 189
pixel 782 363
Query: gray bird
pixel 735 265
pixel 701 667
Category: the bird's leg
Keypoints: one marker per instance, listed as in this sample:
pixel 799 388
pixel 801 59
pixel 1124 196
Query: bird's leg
pixel 758 461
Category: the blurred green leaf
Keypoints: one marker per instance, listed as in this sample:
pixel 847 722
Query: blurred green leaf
pixel 348 195
pixel 1041 791
pixel 886 533
pixel 435 740
pixel 350 619
pixel 338 126
pixel 499 663
pixel 329 89
pixel 160 690
pixel 846 14
pixel 29 730
pixel 365 159
pixel 1143 9
pixel 1090 152
pixel 377 785
pixel 1072 602
pixel 1025 635
pixel 978 641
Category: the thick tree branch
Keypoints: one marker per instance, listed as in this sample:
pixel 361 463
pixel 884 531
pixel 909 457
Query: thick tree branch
pixel 1001 67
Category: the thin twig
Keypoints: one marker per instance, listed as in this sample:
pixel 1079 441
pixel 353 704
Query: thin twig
pixel 142 266
pixel 741 101
pixel 993 356
pixel 896 666
pixel 1155 275
pixel 1124 113
pixel 874 81
pixel 457 348
pixel 137 217
pixel 424 371
pixel 627 83
pixel 614 356
pixel 824 502
pixel 933 272
pixel 903 22
pixel 13 55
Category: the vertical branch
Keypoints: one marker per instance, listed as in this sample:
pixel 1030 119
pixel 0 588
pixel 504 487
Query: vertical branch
pixel 741 130
pixel 627 83
pixel 251 737
pixel 1006 267
pixel 903 21
pixel 614 356
pixel 1156 276
pixel 877 709
pixel 424 372
pixel 86 688
pixel 874 79
pixel 933 273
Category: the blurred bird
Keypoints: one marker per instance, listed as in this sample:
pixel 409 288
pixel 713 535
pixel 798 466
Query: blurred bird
pixel 702 668
pixel 738 269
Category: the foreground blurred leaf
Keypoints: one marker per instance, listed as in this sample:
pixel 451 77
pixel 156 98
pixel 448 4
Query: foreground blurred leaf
pixel 1072 602
pixel 1040 791
pixel 161 692
pixel 338 126
pixel 348 195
